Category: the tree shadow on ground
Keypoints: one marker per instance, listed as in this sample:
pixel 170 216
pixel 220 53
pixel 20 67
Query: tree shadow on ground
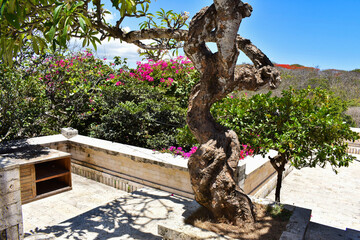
pixel 133 216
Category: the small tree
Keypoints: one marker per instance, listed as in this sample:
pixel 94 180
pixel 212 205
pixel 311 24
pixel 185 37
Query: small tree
pixel 305 126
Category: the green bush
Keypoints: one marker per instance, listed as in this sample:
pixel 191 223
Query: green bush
pixel 142 106
pixel 21 104
pixel 140 115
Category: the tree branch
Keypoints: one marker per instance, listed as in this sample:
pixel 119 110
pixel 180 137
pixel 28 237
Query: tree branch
pixel 256 55
pixel 154 47
pixel 200 26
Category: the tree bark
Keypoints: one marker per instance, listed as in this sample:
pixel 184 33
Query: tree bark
pixel 278 186
pixel 213 166
pixel 278 162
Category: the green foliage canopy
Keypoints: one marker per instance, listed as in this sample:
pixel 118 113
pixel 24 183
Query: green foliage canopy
pixel 142 106
pixel 50 24
pixel 306 126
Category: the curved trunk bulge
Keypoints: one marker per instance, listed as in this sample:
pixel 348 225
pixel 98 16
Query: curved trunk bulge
pixel 212 167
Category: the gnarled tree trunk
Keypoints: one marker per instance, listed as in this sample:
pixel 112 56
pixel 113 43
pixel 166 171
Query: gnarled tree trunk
pixel 212 167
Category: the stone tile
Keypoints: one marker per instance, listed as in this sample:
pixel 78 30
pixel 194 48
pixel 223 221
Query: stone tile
pixel 126 216
pixel 333 198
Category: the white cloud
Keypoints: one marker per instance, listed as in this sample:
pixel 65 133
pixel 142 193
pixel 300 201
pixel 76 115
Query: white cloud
pixel 114 48
pixel 110 17
pixel 110 49
pixel 126 29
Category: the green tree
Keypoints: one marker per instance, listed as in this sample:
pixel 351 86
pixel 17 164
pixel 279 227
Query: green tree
pixel 305 126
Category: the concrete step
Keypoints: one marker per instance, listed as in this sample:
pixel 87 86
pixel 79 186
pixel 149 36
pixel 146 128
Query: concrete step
pixel 316 231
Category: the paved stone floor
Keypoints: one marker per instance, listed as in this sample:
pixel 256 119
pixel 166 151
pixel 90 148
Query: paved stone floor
pixel 85 195
pixel 333 198
pixel 95 211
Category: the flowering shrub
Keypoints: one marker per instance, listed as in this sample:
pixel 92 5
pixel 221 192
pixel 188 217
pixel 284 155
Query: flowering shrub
pixel 146 105
pixel 138 114
pixel 177 76
pixel 180 151
pixel 73 85
pixel 246 151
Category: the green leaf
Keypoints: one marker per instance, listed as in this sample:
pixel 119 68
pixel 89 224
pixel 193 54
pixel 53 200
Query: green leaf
pixel 115 3
pixel 82 23
pixel 56 12
pixel 75 6
pixel 94 44
pixel 42 43
pixel 122 10
pixel 12 19
pixel 51 33
pixel 84 42
pixel 87 21
pixel 35 46
pixel 11 6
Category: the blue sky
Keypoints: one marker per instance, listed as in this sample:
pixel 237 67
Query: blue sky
pixel 320 33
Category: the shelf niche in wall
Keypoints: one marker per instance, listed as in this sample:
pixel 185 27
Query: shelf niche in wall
pixel 44 175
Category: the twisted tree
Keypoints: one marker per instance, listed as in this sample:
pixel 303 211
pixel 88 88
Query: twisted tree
pixel 213 166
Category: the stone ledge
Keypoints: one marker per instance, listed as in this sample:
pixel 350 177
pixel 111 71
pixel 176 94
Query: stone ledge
pixel 298 223
pixel 93 153
pixel 177 229
pixel 132 152
pixel 181 231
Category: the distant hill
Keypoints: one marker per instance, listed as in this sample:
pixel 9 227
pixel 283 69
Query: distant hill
pixel 344 84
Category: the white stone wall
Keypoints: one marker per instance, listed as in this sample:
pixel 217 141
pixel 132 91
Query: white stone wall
pixel 11 224
pixel 128 167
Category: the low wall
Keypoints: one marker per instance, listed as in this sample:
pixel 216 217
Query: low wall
pixel 354 147
pixel 129 168
pixel 258 177
pixel 138 165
